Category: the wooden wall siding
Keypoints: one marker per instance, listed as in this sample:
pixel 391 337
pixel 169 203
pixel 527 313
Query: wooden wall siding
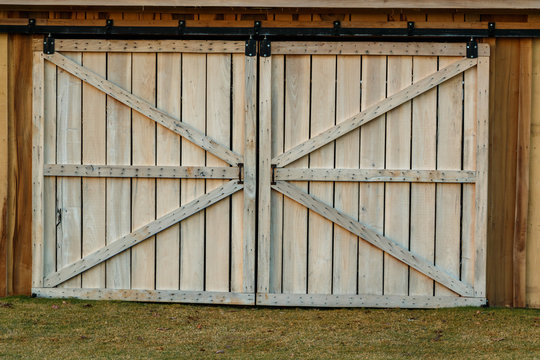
pixel 3 161
pixel 533 229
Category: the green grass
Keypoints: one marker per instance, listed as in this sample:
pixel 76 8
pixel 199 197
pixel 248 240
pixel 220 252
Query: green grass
pixel 57 329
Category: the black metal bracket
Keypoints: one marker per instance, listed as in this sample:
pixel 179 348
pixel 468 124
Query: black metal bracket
pixel 108 26
pixel 472 49
pixel 273 166
pixel 31 26
pixel 265 49
pixel 257 28
pixel 240 172
pixel 181 27
pixel 251 47
pixel 48 45
pixel 410 28
pixel 337 28
pixel 491 29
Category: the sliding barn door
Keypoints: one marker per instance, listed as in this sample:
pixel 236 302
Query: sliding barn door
pixel 144 171
pixel 373 175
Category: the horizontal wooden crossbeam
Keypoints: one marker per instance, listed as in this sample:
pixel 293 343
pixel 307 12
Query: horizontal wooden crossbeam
pixel 141 234
pixel 120 171
pixel 178 296
pixel 378 301
pixel 145 108
pixel 375 175
pixel 384 243
pixel 373 112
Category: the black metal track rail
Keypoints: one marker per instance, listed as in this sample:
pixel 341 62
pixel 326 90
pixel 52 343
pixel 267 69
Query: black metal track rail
pixel 259 32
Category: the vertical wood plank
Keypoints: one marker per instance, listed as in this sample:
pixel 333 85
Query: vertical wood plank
pixel 118 153
pixel 468 218
pixel 482 144
pixel 250 173
pixel 320 230
pixel 168 154
pixel 372 154
pixel 423 157
pixel 347 157
pixel 237 199
pixel 93 152
pixel 20 165
pixel 49 187
pixel 265 174
pixel 37 167
pixel 522 172
pixel 192 229
pixel 398 156
pixel 448 198
pixel 297 89
pixel 4 155
pixel 533 231
pixel 68 195
pixel 143 152
pixel 218 126
pixel 277 144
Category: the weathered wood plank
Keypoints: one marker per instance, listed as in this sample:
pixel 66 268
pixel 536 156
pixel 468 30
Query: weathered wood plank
pixel 218 126
pixel 238 143
pixel 468 217
pixel 277 144
pixel 168 144
pixel 296 131
pixel 118 203
pixel 522 173
pixel 376 301
pixel 143 150
pixel 192 230
pixel 348 86
pixel 4 167
pixel 375 238
pixel 49 156
pixel 376 175
pixel 379 108
pixel 372 155
pixel 170 296
pixel 250 174
pixel 132 171
pixel 68 151
pixel 398 156
pixel 482 146
pixel 38 129
pixel 144 107
pixel 141 234
pixel 265 175
pixel 147 46
pixel 448 198
pixel 94 124
pixel 320 230
pixel 374 48
pixel 423 157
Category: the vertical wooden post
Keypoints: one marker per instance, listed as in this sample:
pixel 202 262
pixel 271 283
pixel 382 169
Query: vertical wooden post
pixel 522 173
pixel 265 173
pixel 3 161
pixel 482 176
pixel 37 170
pixel 250 176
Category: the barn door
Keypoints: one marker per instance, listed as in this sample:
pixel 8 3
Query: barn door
pixel 373 175
pixel 144 171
